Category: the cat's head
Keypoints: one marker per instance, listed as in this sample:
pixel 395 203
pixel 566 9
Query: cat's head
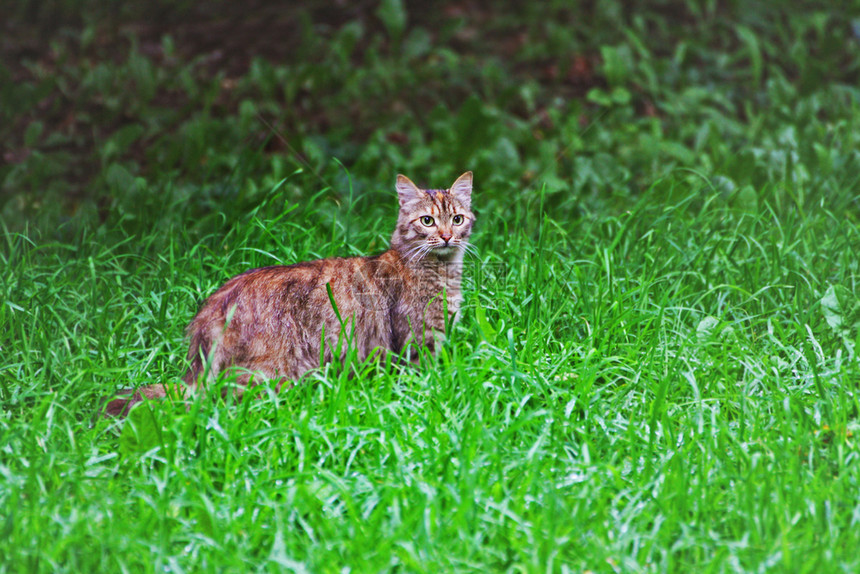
pixel 433 222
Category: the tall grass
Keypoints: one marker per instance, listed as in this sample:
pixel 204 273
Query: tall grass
pixel 665 387
pixel 656 370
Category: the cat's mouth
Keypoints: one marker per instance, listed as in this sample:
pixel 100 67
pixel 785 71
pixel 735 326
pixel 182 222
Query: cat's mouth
pixel 445 249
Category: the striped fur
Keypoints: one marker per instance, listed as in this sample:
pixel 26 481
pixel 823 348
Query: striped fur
pixel 278 322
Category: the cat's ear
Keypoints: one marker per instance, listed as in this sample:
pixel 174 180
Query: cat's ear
pixel 462 189
pixel 407 191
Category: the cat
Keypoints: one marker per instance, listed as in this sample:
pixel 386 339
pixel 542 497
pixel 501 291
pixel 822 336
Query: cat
pixel 281 322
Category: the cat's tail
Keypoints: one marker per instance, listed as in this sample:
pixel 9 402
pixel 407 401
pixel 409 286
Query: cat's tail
pixel 125 399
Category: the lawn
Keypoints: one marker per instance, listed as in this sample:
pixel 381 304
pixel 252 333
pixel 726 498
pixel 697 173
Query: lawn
pixel 656 369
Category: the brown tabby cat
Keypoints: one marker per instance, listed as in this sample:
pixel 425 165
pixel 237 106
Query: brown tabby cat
pixel 270 323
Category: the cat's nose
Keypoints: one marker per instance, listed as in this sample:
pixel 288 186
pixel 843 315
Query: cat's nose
pixel 445 237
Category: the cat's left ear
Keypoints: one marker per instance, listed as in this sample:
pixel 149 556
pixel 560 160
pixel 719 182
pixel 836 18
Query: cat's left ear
pixel 462 189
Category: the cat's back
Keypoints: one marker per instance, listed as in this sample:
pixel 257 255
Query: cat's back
pixel 302 293
pixel 276 285
pixel 264 283
pixel 270 319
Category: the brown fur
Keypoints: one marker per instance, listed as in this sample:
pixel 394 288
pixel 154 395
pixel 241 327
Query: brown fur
pixel 268 323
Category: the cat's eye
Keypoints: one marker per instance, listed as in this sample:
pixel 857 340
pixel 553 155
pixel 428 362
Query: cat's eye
pixel 426 220
pixel 458 220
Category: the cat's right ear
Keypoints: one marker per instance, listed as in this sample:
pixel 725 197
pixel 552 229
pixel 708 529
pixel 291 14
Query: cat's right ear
pixel 407 191
pixel 462 189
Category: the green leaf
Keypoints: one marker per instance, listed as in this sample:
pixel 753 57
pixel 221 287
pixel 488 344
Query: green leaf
pixel 119 178
pixel 599 97
pixel 121 141
pixel 617 64
pixel 620 96
pixel 141 432
pixel 831 308
pixel 706 328
pixel 393 16
pixel 711 328
pixel 486 329
pixel 747 199
pixel 749 38
pixel 841 310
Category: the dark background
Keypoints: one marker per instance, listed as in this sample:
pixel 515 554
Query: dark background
pixel 118 111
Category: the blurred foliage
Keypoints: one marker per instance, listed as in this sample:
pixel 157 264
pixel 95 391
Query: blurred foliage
pixel 179 113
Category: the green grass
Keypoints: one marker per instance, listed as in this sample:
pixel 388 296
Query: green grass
pixel 645 391
pixel 656 370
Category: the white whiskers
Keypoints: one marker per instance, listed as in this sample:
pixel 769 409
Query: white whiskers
pixel 417 252
pixel 469 249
